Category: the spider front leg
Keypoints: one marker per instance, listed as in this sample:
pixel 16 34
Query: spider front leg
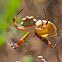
pixel 16 24
pixel 45 17
pixel 42 23
pixel 19 42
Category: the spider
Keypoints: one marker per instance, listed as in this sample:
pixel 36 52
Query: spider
pixel 40 28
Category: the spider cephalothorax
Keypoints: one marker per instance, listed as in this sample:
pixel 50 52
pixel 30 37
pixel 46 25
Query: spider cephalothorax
pixel 29 24
pixel 40 28
pixel 28 21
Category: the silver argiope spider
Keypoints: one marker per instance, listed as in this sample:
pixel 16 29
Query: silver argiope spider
pixel 40 28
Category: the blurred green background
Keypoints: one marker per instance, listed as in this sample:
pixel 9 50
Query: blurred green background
pixel 7 10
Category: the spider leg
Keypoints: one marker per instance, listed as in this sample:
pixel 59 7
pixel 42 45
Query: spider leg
pixel 19 42
pixel 45 17
pixel 42 23
pixel 16 24
pixel 49 43
pixel 46 41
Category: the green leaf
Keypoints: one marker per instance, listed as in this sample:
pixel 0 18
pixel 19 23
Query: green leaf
pixel 28 59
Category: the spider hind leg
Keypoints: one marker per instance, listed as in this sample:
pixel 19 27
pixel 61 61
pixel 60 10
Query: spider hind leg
pixel 46 41
pixel 19 42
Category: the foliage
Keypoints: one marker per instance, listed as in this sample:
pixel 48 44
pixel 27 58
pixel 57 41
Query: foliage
pixel 7 9
pixel 28 59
